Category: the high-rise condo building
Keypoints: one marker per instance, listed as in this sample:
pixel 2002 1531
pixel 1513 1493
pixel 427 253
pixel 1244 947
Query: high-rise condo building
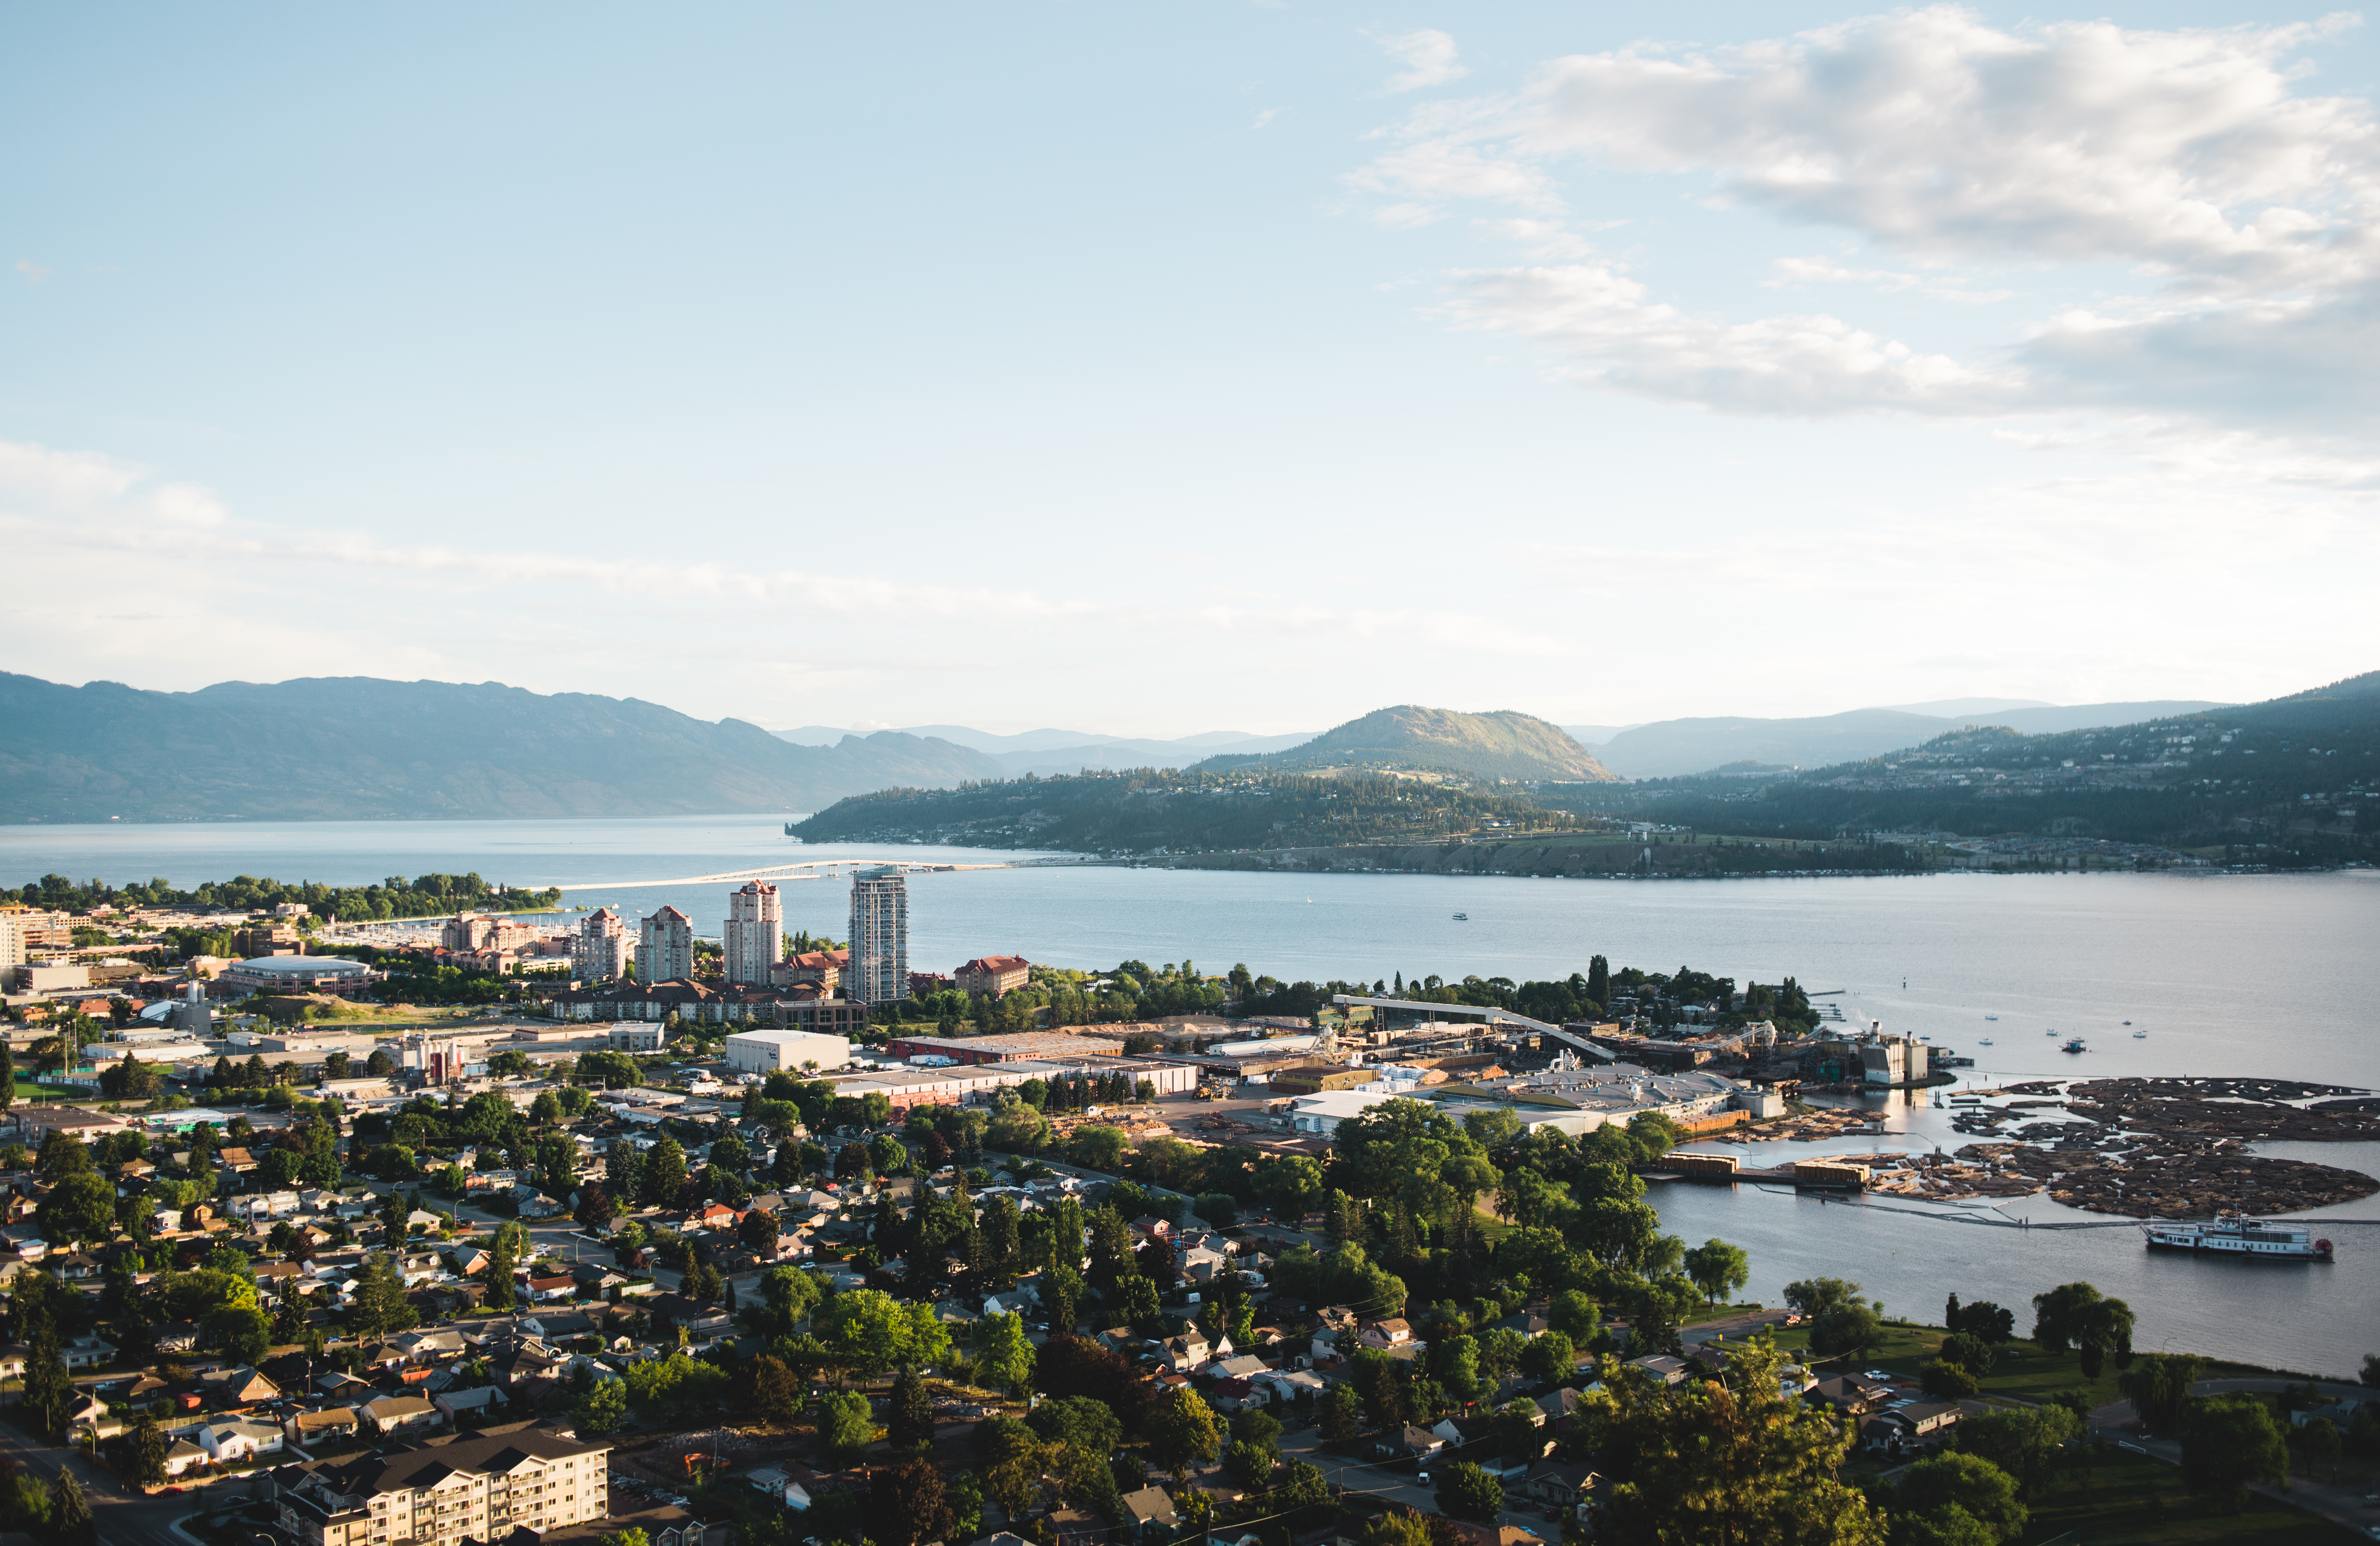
pixel 598 951
pixel 666 950
pixel 880 937
pixel 754 935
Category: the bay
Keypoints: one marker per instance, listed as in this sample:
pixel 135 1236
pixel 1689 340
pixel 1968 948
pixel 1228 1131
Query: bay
pixel 2244 975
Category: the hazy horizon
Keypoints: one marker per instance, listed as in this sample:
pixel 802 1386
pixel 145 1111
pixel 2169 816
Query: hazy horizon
pixel 1160 372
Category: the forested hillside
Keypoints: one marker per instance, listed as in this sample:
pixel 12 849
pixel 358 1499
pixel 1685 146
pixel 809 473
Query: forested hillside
pixel 1499 746
pixel 356 747
pixel 1150 812
pixel 2299 776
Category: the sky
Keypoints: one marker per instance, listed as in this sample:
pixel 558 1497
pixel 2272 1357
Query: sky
pixel 1150 370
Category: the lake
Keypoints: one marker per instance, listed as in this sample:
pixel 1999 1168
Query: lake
pixel 2262 975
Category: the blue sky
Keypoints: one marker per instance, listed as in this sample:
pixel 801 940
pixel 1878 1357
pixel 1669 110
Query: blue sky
pixel 1151 371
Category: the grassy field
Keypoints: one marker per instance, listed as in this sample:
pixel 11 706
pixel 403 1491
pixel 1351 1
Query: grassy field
pixel 2021 1371
pixel 2133 1501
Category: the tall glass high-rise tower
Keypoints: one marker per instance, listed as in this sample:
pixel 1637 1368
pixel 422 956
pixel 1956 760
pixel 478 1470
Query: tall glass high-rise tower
pixel 880 937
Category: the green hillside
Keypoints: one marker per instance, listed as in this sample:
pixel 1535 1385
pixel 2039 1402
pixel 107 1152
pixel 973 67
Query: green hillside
pixel 356 747
pixel 1503 745
pixel 1148 811
pixel 2294 781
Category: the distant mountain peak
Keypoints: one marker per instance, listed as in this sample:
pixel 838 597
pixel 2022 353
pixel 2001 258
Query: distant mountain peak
pixel 1501 744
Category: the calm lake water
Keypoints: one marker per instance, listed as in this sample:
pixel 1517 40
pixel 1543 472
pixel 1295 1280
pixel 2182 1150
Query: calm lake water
pixel 2262 975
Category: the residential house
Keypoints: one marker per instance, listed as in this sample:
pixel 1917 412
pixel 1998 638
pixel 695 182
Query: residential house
pixel 1150 1512
pixel 1187 1351
pixel 781 1484
pixel 1285 1384
pixel 1907 1429
pixel 482 1402
pixel 229 1442
pixel 1149 1226
pixel 330 1425
pixel 1661 1369
pixel 181 1455
pixel 1201 1263
pixel 1247 1366
pixel 1851 1394
pixel 238 1386
pixel 1393 1332
pixel 1565 1487
pixel 88 1351
pixel 391 1415
pixel 549 1290
pixel 1418 1443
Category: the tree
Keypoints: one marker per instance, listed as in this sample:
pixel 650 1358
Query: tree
pixel 1182 1429
pixel 239 1332
pixel 909 1413
pixel 595 1210
pixel 1343 1415
pixel 69 1510
pixel 1945 1381
pixel 1846 1326
pixel 787 1297
pixel 2227 1442
pixel 2074 1316
pixel 1575 1315
pixel 1398 1526
pixel 80 1206
pixel 2316 1441
pixel 147 1447
pixel 845 1425
pixel 1730 1460
pixel 1985 1492
pixel 62 1155
pixel 872 1332
pixel 1971 1353
pixel 2158 1387
pixel 379 1304
pixel 1514 1432
pixel 602 1409
pixel 907 1504
pixel 1136 1301
pixel 664 1172
pixel 2024 1442
pixel 1250 1465
pixel 1004 1358
pixel 1717 1269
pixel 1550 1358
pixel 1465 1491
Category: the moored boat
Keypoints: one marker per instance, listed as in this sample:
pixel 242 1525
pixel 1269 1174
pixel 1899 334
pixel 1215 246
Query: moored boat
pixel 2259 1239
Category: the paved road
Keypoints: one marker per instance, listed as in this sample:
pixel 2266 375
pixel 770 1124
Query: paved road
pixel 123 1514
pixel 1393 1485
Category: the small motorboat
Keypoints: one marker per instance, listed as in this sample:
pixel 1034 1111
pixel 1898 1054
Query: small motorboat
pixel 2049 1033
pixel 2074 1046
pixel 1991 1017
pixel 2128 1022
pixel 2138 1035
pixel 1461 917
pixel 1983 1040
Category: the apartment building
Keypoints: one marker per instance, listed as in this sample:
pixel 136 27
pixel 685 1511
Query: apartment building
pixel 880 937
pixel 753 938
pixel 598 951
pixel 476 932
pixel 665 950
pixel 993 974
pixel 440 1495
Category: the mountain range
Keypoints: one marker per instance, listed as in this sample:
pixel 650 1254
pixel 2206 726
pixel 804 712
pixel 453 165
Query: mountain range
pixel 1067 751
pixel 357 748
pixel 1674 748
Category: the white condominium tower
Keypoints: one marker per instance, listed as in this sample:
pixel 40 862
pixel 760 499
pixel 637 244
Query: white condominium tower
pixel 880 937
pixel 754 936
pixel 598 951
pixel 666 951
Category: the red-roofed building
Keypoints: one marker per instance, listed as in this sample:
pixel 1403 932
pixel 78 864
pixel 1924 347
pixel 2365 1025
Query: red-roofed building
pixel 992 974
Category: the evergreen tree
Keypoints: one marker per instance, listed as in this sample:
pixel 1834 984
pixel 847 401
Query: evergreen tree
pixel 7 1075
pixel 909 1415
pixel 69 1510
pixel 665 1175
pixel 500 1292
pixel 148 1452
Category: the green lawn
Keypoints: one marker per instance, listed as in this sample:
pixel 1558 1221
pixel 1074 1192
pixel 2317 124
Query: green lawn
pixel 2021 1371
pixel 2133 1501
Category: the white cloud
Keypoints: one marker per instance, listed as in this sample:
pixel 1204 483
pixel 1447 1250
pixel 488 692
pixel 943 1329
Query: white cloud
pixel 1791 365
pixel 1428 55
pixel 1825 271
pixel 2191 156
pixel 33 270
pixel 1934 132
pixel 1266 116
